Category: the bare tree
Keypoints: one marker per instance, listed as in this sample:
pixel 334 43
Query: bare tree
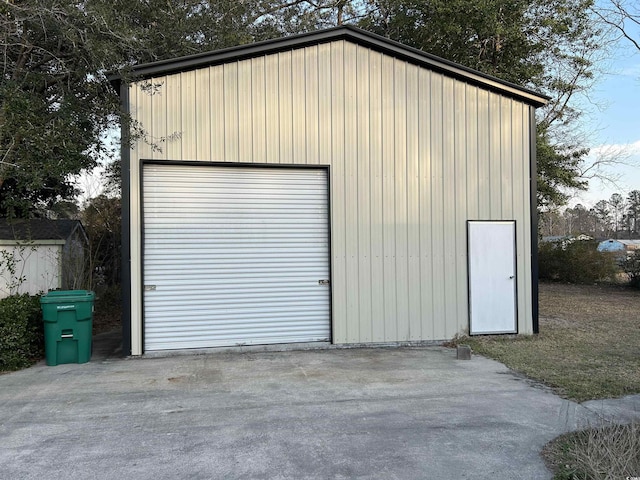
pixel 603 215
pixel 616 202
pixel 621 15
pixel 633 211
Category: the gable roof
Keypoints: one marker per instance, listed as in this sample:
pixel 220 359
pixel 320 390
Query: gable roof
pixel 343 32
pixel 38 229
pixel 623 242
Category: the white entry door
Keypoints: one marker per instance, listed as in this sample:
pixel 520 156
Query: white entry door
pixel 492 277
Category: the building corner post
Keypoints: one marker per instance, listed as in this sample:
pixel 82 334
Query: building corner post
pixel 533 176
pixel 125 281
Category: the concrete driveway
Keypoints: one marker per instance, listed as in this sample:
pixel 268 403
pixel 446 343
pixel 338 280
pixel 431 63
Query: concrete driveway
pixel 383 413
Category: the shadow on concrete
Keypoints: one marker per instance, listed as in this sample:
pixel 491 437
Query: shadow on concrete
pixel 107 345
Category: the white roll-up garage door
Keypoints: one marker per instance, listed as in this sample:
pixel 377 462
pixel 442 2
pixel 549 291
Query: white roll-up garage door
pixel 234 256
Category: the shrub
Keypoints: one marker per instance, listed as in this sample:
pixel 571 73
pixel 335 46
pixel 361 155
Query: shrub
pixel 575 262
pixel 631 266
pixel 21 332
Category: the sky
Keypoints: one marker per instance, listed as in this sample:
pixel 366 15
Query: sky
pixel 612 122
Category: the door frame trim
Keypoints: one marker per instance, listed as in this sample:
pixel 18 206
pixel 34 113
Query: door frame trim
pixel 199 163
pixel 515 287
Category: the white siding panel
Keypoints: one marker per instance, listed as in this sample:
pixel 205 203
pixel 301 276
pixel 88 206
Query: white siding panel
pixel 450 199
pixel 231 108
pixel 438 135
pixel 471 152
pixel 324 124
pixel 285 99
pixel 298 107
pixel 158 96
pixel 173 118
pixel 272 153
pixel 426 257
pixel 144 116
pixel 506 155
pixel 38 265
pixel 245 113
pixel 234 256
pixel 351 191
pixel 461 165
pixel 203 116
pixel 311 104
pixel 484 158
pixel 388 199
pixel 413 204
pixel 363 178
pixel 258 113
pixel 188 115
pixel 400 201
pixel 524 231
pixel 495 157
pixel 375 179
pixel 338 223
pixel 216 97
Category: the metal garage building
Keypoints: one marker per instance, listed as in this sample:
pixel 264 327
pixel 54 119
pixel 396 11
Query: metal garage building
pixel 333 186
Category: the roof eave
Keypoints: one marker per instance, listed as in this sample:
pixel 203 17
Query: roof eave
pixel 345 32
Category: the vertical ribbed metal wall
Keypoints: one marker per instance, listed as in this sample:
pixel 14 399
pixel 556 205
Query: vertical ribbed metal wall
pixel 414 154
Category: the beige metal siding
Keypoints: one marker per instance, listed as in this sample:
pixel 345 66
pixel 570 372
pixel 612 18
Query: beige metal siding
pixel 414 155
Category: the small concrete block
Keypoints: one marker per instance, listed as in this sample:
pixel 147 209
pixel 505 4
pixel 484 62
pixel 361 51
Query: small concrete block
pixel 463 352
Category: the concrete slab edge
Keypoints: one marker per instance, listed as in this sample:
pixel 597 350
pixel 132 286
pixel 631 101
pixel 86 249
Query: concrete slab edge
pixel 287 347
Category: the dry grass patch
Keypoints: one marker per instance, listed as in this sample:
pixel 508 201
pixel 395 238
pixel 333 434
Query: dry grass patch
pixel 588 346
pixel 605 452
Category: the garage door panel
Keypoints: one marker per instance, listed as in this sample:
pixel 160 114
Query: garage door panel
pixel 233 256
pixel 262 302
pixel 195 324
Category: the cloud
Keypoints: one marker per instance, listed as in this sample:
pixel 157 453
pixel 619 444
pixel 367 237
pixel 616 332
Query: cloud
pixel 619 150
pixel 631 71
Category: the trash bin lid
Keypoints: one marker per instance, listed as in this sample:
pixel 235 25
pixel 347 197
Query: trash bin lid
pixel 65 296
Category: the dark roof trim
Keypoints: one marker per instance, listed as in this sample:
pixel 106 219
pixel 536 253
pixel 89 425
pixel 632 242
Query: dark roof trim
pixel 40 229
pixel 344 32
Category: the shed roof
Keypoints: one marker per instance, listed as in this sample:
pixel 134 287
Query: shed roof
pixel 622 242
pixel 38 229
pixel 344 32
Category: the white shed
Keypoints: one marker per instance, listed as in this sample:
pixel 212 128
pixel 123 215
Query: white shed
pixel 39 255
pixel 333 187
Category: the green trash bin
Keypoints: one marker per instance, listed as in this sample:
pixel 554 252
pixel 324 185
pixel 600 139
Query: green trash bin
pixel 68 325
